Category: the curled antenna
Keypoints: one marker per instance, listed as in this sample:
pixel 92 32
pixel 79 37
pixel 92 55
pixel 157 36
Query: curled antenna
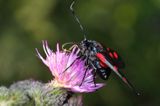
pixel 69 43
pixel 77 19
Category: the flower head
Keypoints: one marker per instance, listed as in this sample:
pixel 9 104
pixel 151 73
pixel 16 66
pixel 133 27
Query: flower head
pixel 68 71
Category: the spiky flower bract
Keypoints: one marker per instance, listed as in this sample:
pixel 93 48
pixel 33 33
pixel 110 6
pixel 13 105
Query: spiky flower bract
pixel 69 72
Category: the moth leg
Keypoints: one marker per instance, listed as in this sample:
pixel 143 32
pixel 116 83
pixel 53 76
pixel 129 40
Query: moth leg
pixel 94 74
pixel 94 78
pixel 81 56
pixel 85 71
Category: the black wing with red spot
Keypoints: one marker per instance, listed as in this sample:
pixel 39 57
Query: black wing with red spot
pixel 111 59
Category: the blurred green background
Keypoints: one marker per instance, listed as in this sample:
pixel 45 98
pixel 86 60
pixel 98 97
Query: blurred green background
pixel 129 26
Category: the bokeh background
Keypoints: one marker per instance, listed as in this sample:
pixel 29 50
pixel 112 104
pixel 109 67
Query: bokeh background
pixel 129 26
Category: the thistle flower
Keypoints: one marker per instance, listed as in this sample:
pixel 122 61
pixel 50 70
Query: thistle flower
pixel 66 75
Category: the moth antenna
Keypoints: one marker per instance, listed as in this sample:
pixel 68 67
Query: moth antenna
pixel 65 44
pixel 77 19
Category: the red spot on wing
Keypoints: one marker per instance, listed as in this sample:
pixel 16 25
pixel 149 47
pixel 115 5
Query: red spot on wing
pixel 116 68
pixel 101 57
pixel 111 55
pixel 115 55
pixel 103 65
pixel 108 49
pixel 125 80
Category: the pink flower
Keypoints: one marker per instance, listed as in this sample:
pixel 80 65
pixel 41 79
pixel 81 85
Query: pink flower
pixel 72 78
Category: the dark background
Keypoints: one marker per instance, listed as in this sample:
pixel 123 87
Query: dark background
pixel 129 26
